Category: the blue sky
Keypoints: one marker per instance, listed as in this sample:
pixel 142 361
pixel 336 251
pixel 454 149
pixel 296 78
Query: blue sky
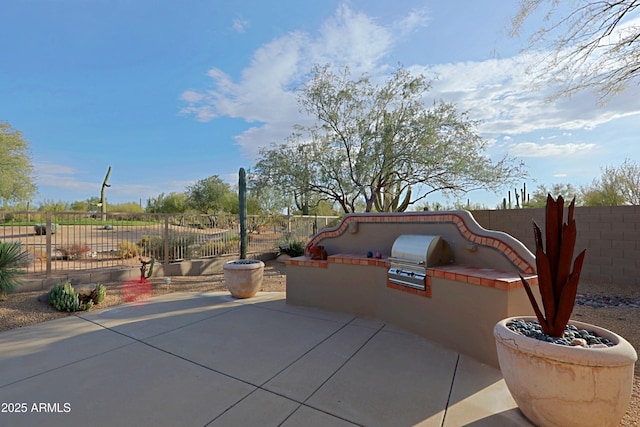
pixel 170 92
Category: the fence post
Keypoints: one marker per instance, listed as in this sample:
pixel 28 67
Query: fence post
pixel 48 244
pixel 166 239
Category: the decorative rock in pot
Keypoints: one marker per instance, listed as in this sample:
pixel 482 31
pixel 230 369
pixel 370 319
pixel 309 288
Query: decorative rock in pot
pixel 243 277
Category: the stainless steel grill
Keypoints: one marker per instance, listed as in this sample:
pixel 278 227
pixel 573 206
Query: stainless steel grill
pixel 412 254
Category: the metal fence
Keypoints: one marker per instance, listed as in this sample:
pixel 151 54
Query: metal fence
pixel 64 241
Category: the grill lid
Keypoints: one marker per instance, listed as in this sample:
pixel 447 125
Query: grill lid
pixel 420 250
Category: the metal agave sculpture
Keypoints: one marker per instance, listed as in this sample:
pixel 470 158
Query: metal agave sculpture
pixel 557 283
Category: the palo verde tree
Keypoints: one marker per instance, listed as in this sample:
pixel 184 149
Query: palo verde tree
pixel 173 202
pixel 566 190
pixel 618 185
pixel 16 170
pixel 286 169
pixel 371 146
pixel 590 44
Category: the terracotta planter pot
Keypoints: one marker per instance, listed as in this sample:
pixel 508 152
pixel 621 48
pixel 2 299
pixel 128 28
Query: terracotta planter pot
pixel 243 277
pixel 557 385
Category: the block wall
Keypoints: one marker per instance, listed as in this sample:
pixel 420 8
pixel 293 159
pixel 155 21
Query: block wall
pixel 611 235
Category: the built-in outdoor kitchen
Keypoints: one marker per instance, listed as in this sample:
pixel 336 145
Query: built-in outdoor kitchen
pixel 437 274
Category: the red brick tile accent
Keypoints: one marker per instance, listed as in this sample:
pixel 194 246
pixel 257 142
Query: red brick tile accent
pixel 426 293
pixel 487 277
pixel 430 217
pixel 306 262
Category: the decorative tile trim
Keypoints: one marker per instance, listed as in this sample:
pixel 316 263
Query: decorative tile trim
pixel 480 237
pixel 486 277
pixel 358 260
pixel 305 261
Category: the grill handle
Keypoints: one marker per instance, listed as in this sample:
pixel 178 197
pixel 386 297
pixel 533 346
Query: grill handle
pixel 406 261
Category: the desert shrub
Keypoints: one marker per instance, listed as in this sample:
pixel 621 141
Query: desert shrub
pixel 292 248
pixel 101 293
pixel 38 255
pixel 74 251
pixel 127 250
pixel 96 296
pixel 64 298
pixel 179 246
pixel 226 245
pixel 41 229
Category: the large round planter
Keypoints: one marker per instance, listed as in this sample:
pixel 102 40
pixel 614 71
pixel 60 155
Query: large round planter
pixel 243 277
pixel 557 385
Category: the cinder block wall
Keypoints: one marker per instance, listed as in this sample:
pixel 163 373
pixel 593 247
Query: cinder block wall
pixel 611 235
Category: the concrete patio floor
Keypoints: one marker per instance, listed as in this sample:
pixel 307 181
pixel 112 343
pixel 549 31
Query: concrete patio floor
pixel 187 359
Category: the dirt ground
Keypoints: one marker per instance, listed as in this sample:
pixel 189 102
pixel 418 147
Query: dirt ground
pixel 23 309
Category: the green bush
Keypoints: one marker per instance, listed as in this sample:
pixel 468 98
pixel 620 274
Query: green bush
pixel 41 229
pixel 64 298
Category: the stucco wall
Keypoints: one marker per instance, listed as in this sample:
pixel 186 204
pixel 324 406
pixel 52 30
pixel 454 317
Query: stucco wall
pixel 611 235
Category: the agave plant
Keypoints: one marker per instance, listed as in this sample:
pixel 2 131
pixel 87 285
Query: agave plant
pixel 12 257
pixel 558 284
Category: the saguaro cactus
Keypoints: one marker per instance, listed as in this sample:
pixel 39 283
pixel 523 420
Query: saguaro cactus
pixel 103 199
pixel 242 201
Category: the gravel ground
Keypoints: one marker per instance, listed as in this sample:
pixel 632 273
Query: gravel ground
pixel 616 308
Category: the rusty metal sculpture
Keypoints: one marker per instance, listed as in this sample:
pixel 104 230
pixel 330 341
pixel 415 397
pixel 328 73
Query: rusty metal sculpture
pixel 557 283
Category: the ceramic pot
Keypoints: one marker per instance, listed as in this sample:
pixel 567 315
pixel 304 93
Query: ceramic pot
pixel 558 385
pixel 243 277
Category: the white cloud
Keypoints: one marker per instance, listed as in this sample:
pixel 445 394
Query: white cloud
pixel 240 25
pixel 264 93
pixel 60 177
pixel 497 92
pixel 47 169
pixel 531 149
pixel 414 20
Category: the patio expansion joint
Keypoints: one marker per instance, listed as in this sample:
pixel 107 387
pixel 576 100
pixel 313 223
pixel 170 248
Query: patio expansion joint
pixel 304 403
pixel 256 386
pixel 453 380
pixel 141 340
pixel 300 403
pixel 75 361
